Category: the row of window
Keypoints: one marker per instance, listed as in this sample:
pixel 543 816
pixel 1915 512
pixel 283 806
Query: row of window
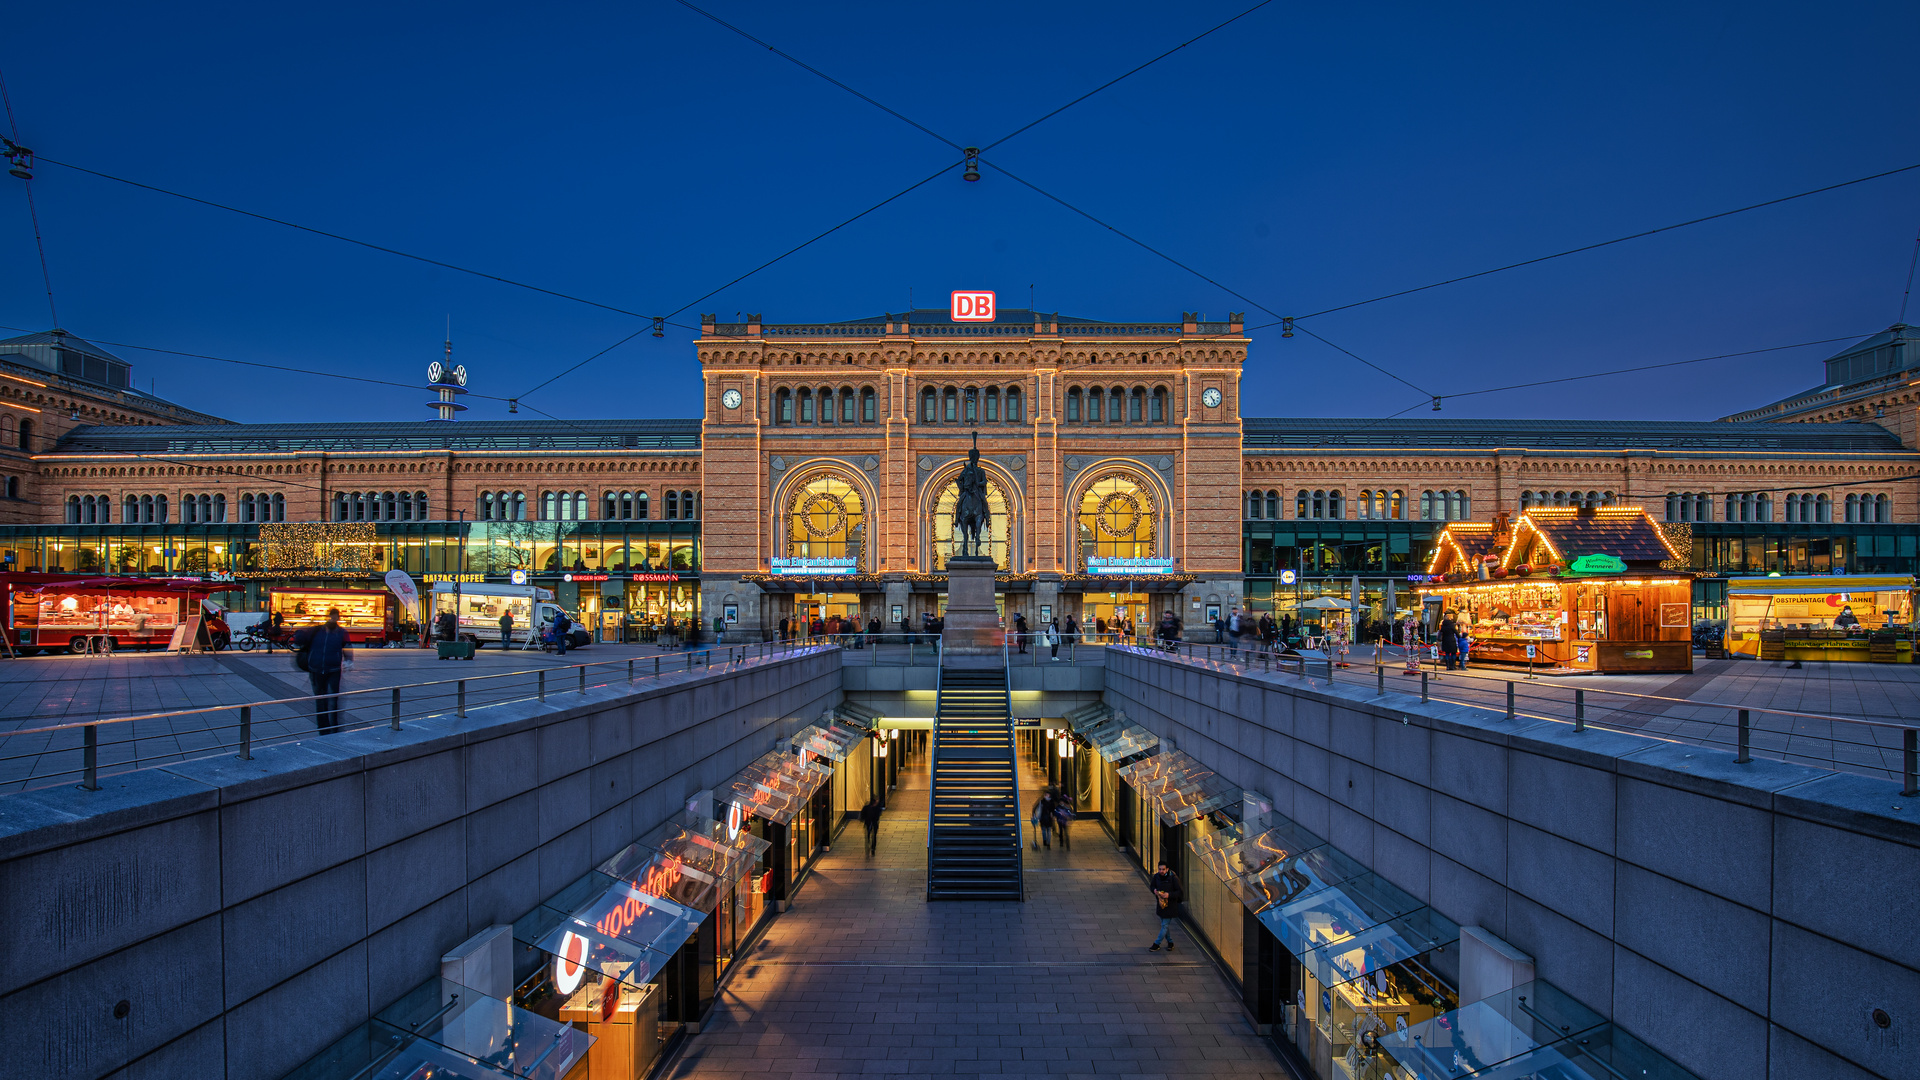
pixel 380 506
pixel 21 438
pixel 1117 406
pixel 1798 507
pixel 137 509
pixel 614 506
pixel 972 405
pixel 1379 504
pixel 203 509
pixel 1530 499
pixel 825 406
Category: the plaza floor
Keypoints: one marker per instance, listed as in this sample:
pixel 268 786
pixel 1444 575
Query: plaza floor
pixel 863 976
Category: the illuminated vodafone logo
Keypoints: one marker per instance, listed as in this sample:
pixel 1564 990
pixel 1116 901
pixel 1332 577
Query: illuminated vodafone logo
pixel 734 814
pixel 571 965
pixel 972 307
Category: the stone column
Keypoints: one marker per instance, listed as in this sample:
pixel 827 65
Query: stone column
pixel 972 637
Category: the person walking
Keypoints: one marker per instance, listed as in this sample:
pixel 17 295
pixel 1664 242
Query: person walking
pixel 1020 630
pixel 1099 629
pixel 870 820
pixel 1043 822
pixel 1269 632
pixel 1062 815
pixel 327 655
pixel 562 630
pixel 506 630
pixel 1073 631
pixel 1235 627
pixel 1167 895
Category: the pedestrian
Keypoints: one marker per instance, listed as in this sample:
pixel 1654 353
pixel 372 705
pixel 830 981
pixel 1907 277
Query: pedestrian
pixel 449 626
pixel 327 654
pixel 1099 629
pixel 784 624
pixel 1062 815
pixel 562 630
pixel 1219 629
pixel 1235 627
pixel 506 630
pixel 1020 630
pixel 1450 641
pixel 1167 895
pixel 873 632
pixel 1053 636
pixel 870 820
pixel 1043 822
pixel 1269 632
pixel 1073 630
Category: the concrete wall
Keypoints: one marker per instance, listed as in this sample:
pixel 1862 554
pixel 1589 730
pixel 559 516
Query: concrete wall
pixel 251 912
pixel 1746 920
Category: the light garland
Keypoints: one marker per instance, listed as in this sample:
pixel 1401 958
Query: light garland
pixel 328 549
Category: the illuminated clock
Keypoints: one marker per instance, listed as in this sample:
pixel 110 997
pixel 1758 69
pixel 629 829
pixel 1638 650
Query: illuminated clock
pixel 731 399
pixel 1210 398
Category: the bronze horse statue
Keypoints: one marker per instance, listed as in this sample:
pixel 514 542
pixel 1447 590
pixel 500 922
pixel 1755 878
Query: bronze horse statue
pixel 970 516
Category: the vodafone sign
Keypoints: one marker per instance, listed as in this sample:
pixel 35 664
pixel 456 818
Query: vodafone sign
pixel 570 966
pixel 972 307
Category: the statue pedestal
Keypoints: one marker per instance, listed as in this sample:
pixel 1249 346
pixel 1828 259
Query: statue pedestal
pixel 973 637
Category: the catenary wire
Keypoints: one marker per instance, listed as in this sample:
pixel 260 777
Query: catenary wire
pixel 1216 284
pixel 1912 262
pixel 790 251
pixel 1642 367
pixel 1601 244
pixel 33 210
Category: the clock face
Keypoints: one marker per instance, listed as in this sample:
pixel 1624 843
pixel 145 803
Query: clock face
pixel 731 399
pixel 1210 398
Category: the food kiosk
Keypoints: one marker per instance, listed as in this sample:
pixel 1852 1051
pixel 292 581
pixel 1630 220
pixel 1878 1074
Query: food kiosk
pixel 369 616
pixel 78 612
pixel 1587 589
pixel 1850 619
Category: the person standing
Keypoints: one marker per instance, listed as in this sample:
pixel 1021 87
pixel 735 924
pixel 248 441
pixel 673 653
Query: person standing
pixel 1073 630
pixel 1236 626
pixel 1020 629
pixel 870 821
pixel 1450 641
pixel 327 655
pixel 562 630
pixel 506 630
pixel 1043 822
pixel 1167 895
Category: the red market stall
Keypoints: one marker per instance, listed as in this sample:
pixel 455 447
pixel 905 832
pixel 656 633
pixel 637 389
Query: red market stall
pixel 80 612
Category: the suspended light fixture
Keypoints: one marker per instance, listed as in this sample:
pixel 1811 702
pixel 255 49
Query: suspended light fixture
pixel 1286 326
pixel 973 164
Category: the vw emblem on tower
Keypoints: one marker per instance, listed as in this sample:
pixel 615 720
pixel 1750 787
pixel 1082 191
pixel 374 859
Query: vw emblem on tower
pixel 972 306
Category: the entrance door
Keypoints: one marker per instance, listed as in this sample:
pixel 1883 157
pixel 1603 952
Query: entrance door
pixel 810 606
pixel 1118 609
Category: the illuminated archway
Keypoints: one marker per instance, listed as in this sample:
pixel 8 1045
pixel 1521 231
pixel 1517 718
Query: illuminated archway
pixel 825 517
pixel 997 540
pixel 1116 517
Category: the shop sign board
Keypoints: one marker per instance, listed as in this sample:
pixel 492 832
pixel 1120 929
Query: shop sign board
pixel 586 577
pixel 570 963
pixel 1288 577
pixel 816 566
pixel 735 818
pixel 1100 564
pixel 517 577
pixel 402 585
pixel 971 305
pixel 656 578
pixel 465 579
pixel 1597 564
pixel 1532 650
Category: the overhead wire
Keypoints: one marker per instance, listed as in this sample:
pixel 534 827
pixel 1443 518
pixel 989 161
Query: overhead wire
pixel 33 209
pixel 1640 367
pixel 1912 262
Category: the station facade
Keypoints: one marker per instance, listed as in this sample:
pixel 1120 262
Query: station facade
pixel 1124 481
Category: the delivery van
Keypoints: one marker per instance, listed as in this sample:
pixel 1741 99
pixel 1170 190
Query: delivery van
pixel 482 605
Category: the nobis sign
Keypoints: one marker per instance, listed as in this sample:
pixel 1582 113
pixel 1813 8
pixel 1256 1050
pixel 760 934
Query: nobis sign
pixel 972 306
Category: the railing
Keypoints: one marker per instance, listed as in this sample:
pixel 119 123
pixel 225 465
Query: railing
pixel 897 649
pixel 175 736
pixel 1871 747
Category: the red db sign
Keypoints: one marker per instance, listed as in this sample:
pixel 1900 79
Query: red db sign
pixel 972 307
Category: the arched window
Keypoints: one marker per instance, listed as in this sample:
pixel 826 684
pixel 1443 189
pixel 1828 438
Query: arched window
pixel 146 509
pixel 1426 506
pixel 485 507
pixel 1116 520
pixel 1014 412
pixel 549 507
pixel 1336 505
pixel 1300 504
pixel 869 406
pixel 640 506
pixel 1073 405
pixel 1882 509
pixel 1157 408
pixel 950 408
pixel 1137 405
pixel 971 396
pixel 160 509
pixel 783 406
pixel 1853 509
pixel 73 509
pixel 130 510
pixel 1462 507
pixel 388 509
pixel 825 518
pixel 219 509
pixel 996 539
pixel 579 506
pixel 826 405
pixel 1273 505
pixel 1319 504
pixel 609 506
pixel 688 507
pixel 673 505
pixel 1096 405
pixel 1763 508
pixel 849 406
pixel 806 406
pixel 1253 504
pixel 1823 509
pixel 1116 404
pixel 992 405
pixel 929 403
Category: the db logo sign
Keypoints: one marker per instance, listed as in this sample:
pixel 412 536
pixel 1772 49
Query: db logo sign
pixel 972 307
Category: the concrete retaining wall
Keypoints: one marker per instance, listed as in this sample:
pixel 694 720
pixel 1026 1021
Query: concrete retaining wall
pixel 1746 920
pixel 251 912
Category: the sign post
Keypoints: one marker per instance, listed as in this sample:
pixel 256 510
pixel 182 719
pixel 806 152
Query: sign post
pixel 1531 649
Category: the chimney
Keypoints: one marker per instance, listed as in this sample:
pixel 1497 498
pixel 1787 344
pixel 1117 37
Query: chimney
pixel 707 323
pixel 753 325
pixel 1236 322
pixel 1189 322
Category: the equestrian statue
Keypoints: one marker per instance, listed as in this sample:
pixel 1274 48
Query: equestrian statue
pixel 970 518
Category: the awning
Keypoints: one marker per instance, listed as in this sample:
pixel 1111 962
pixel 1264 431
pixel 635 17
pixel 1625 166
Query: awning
pixel 1532 1030
pixel 604 924
pixel 480 1030
pixel 829 739
pixel 687 860
pixel 1114 737
pixel 778 785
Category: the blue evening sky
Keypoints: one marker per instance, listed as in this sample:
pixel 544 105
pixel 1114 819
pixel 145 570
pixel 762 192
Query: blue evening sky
pixel 640 155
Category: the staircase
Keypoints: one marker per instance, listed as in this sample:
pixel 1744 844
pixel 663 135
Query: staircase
pixel 973 829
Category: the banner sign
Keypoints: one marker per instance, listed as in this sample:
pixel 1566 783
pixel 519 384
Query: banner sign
pixel 829 566
pixel 1099 564
pixel 402 585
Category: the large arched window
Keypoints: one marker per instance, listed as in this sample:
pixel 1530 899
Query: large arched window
pixel 929 403
pixel 997 540
pixel 869 406
pixel 826 519
pixel 1115 520
pixel 1073 405
pixel 783 406
pixel 1014 412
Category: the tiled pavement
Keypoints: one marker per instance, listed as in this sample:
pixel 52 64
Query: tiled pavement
pixel 863 976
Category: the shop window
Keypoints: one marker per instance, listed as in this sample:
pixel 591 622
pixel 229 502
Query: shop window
pixel 783 407
pixel 1015 414
pixel 1073 406
pixel 993 404
pixel 869 406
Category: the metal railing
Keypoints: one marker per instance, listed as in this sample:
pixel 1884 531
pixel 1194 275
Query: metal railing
pixel 148 740
pixel 1872 747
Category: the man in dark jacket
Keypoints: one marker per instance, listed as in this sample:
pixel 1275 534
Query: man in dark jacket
pixel 1167 895
pixel 562 632
pixel 1450 641
pixel 327 654
pixel 1020 632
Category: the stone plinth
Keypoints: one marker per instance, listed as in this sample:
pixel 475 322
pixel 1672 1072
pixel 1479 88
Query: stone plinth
pixel 972 637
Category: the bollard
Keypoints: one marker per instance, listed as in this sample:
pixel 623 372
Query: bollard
pixel 689 661
pixel 1509 699
pixel 1579 710
pixel 1912 786
pixel 583 678
pixel 629 672
pixel 460 705
pixel 396 708
pixel 1423 686
pixel 656 665
pixel 543 686
pixel 1380 678
pixel 246 733
pixel 1746 733
pixel 91 759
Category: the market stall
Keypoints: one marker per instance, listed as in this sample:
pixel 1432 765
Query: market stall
pixel 369 616
pixel 1853 619
pixel 79 612
pixel 1591 589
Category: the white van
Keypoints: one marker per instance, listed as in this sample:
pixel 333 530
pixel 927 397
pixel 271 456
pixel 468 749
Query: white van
pixel 482 605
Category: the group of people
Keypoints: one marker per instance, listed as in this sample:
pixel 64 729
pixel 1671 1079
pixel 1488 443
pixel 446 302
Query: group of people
pixel 1455 643
pixel 1051 637
pixel 832 629
pixel 1052 812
